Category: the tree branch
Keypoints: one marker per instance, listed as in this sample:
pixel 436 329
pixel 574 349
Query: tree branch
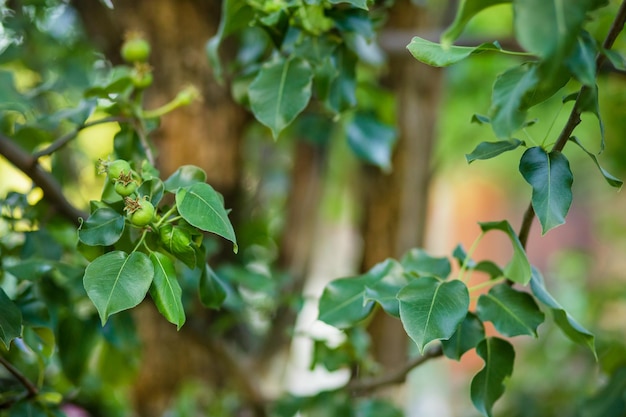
pixel 367 385
pixel 574 118
pixel 63 140
pixel 30 387
pixel 52 190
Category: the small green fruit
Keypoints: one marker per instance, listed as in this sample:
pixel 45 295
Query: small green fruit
pixel 135 50
pixel 117 168
pixel 125 188
pixel 143 214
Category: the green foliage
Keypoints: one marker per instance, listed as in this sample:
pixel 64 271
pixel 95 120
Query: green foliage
pixel 69 278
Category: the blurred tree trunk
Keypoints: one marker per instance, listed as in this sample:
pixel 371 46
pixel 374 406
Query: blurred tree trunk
pixel 207 134
pixel 396 204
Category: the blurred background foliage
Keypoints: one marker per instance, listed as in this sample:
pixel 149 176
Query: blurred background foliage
pixel 47 60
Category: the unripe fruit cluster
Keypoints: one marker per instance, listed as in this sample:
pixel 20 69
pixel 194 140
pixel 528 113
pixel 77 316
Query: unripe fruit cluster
pixel 140 211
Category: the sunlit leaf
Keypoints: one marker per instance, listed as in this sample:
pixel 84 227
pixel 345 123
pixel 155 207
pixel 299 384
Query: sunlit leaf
pixel 203 207
pixel 280 91
pixel 104 227
pixel 518 269
pixel 436 55
pixel 117 281
pixel 488 384
pixel 551 179
pixel 512 312
pixel 572 329
pixel 165 290
pixel 431 309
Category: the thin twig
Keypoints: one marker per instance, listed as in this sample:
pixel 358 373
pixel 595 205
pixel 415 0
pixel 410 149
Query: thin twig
pixel 574 118
pixel 63 140
pixel 30 387
pixel 50 187
pixel 367 385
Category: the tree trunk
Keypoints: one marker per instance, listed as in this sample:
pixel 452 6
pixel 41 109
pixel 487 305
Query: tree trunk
pixel 396 204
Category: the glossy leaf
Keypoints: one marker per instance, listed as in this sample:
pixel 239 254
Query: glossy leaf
pixel 512 312
pixel 466 337
pixel 431 309
pixel 184 176
pixel 488 150
pixel 548 28
pixel 203 207
pixel 518 268
pixel 551 179
pixel 419 262
pixel 280 91
pixel 117 281
pixel 211 289
pixel 339 93
pixel 588 102
pixel 371 140
pixel 343 303
pixel 384 281
pixel 104 227
pixel 508 108
pixel 436 55
pixel 488 384
pixel 152 189
pixel 610 179
pixel 165 290
pixel 572 329
pixel 10 320
pixel 466 10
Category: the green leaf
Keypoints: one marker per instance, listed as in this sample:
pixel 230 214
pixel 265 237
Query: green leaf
pixel 117 281
pixel 610 400
pixel 466 337
pixel 236 15
pixel 104 227
pixel 588 102
pixel 178 241
pixel 152 189
pixel 548 28
pixel 613 181
pixel 572 329
pixel 10 320
pixel 211 289
pixel 488 384
pixel 487 150
pixel 419 262
pixel 30 269
pixel 384 281
pixel 184 176
pixel 518 269
pixel 551 179
pixel 74 357
pixel 582 62
pixel 512 312
pixel 460 254
pixel 203 207
pixel 165 290
pixel 371 140
pixel 361 4
pixel 508 106
pixel 436 55
pixel 377 408
pixel 343 302
pixel 431 309
pixel 340 92
pixel 280 91
pixel 616 59
pixel 465 12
